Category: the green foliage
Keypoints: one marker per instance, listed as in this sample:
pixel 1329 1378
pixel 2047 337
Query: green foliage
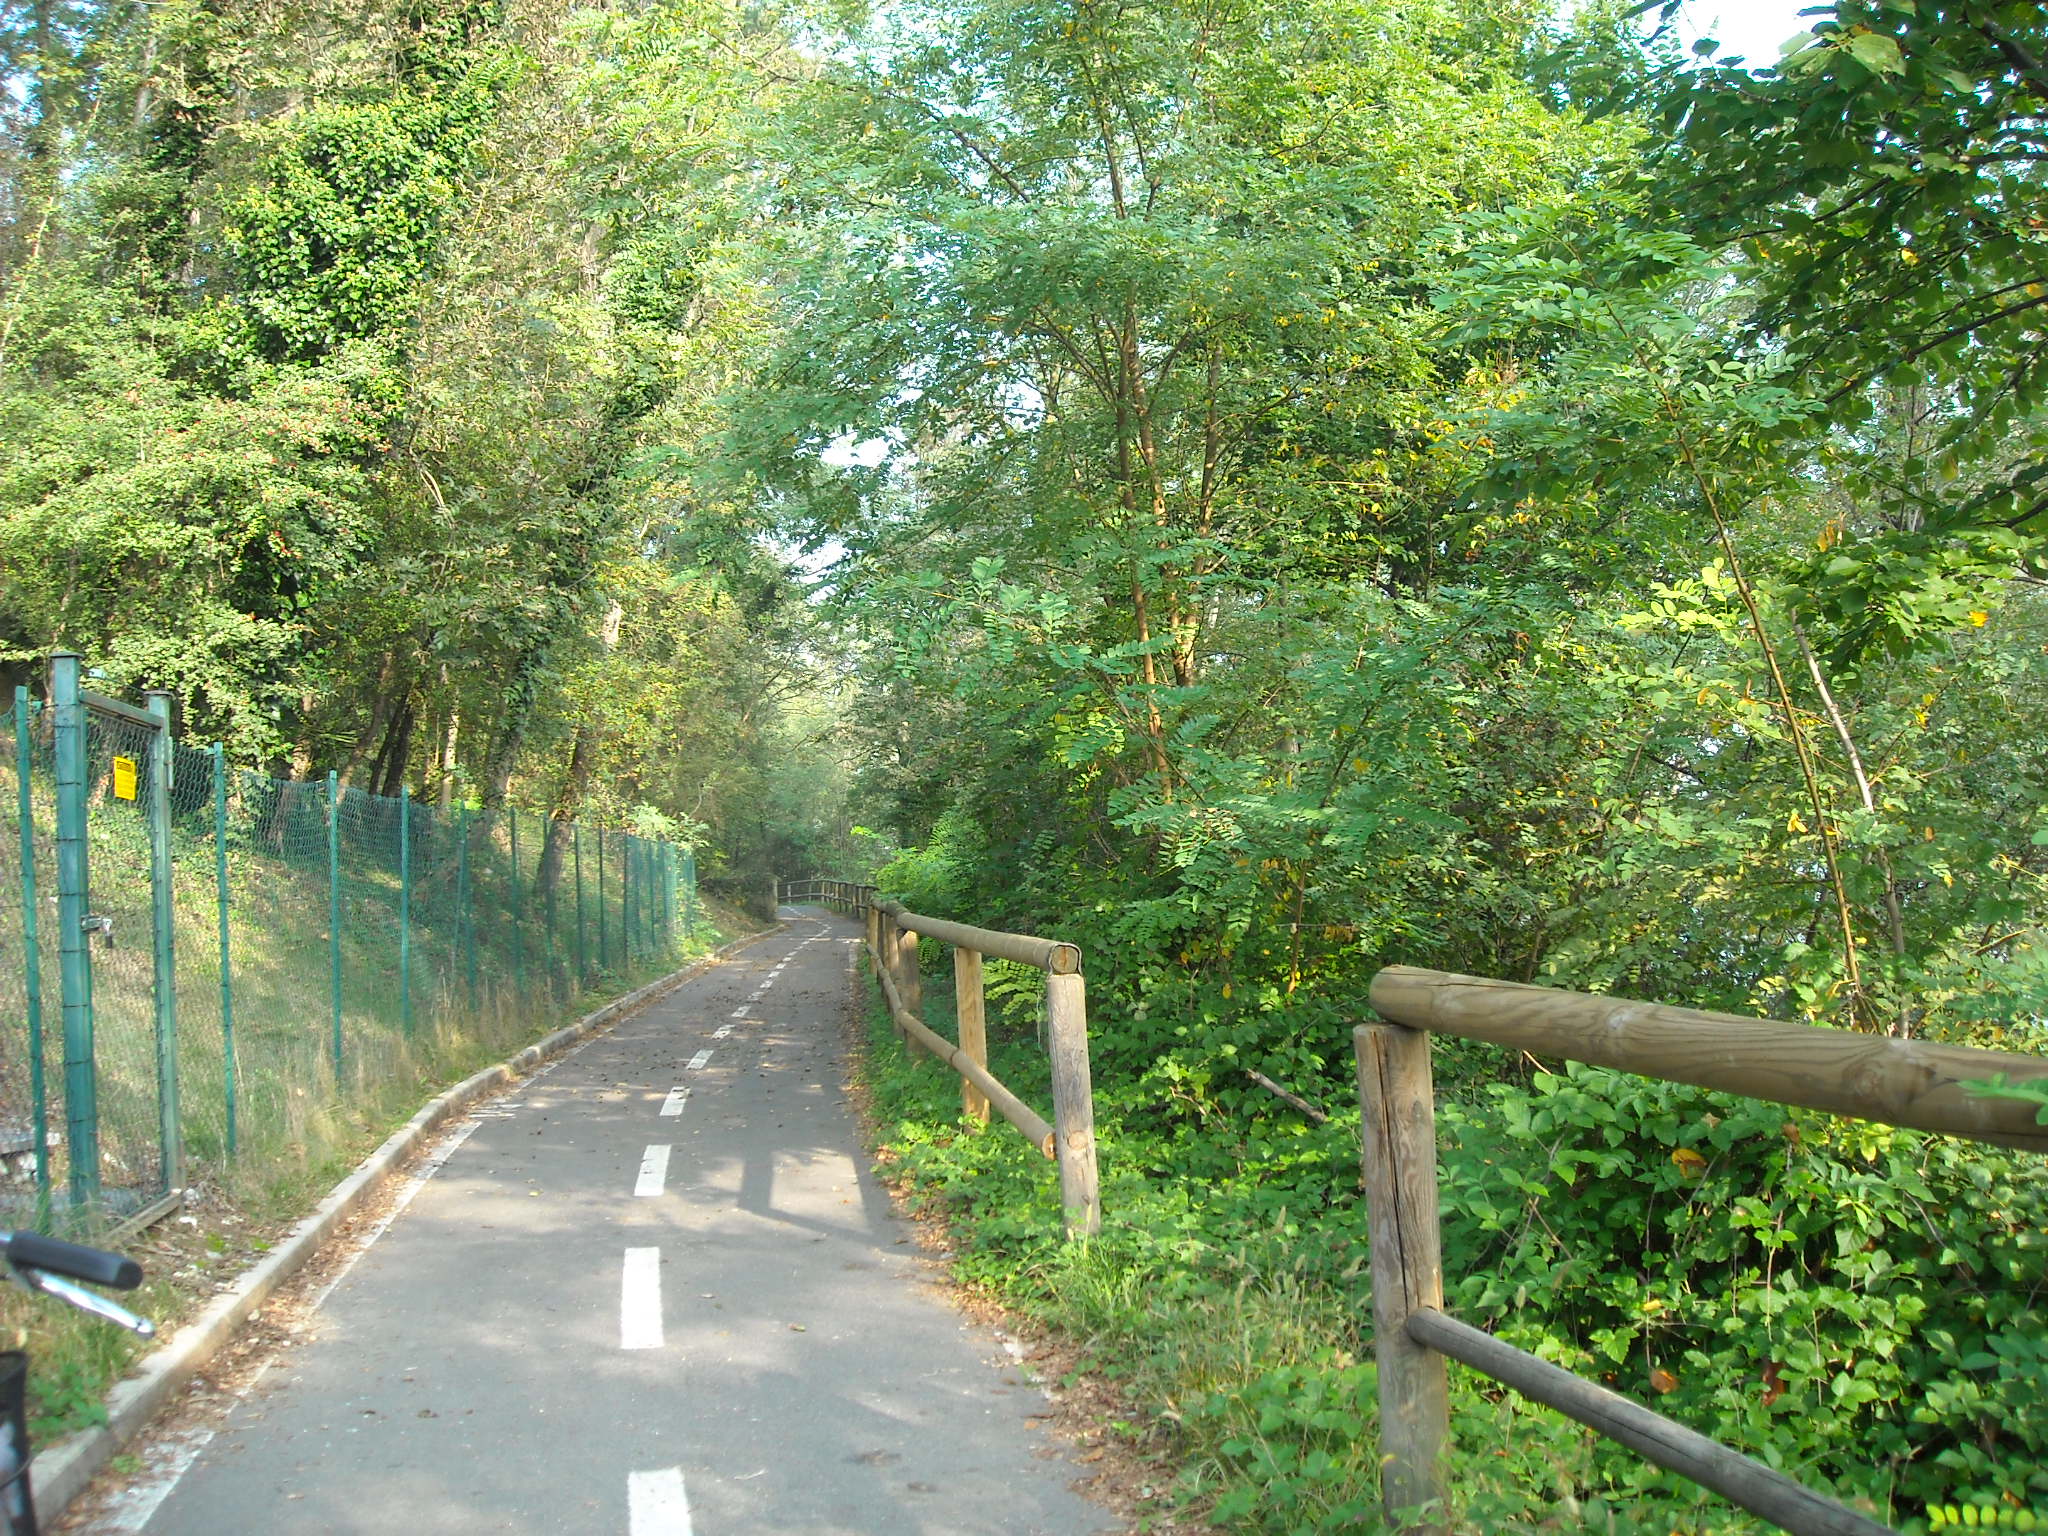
pixel 1861 1302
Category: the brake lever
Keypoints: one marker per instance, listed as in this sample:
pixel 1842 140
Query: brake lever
pixel 86 1301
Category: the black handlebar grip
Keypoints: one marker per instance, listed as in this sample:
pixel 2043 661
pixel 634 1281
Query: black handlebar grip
pixel 80 1263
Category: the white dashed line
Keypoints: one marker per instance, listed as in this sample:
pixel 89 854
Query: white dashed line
pixel 677 1098
pixel 656 1504
pixel 653 1172
pixel 640 1300
pixel 721 1032
pixel 697 1061
pixel 740 1012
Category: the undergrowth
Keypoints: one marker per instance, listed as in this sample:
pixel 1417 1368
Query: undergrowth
pixel 1860 1307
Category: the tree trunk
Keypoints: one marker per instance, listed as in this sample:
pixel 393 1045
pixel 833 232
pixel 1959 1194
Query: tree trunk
pixel 447 753
pixel 382 703
pixel 568 804
pixel 397 752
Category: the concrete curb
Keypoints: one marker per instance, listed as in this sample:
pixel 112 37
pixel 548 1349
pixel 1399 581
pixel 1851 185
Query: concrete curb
pixel 61 1473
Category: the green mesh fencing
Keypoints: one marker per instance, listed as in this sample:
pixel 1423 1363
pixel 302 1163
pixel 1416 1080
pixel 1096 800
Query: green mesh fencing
pixel 29 988
pixel 268 963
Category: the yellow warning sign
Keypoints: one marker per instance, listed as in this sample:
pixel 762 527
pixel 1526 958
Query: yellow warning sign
pixel 124 778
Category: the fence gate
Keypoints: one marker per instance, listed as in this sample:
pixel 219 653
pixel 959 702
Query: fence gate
pixel 106 1102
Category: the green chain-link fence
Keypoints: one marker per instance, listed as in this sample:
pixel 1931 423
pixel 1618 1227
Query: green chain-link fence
pixel 253 960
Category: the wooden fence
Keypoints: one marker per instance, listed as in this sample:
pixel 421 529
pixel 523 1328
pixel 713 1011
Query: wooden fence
pixel 843 895
pixel 892 935
pixel 1899 1082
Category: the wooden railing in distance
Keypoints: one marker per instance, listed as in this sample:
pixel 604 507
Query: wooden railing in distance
pixel 1871 1077
pixel 845 895
pixel 892 941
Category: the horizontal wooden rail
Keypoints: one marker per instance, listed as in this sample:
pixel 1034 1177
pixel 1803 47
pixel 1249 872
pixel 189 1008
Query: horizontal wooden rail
pixel 1047 954
pixel 892 941
pixel 1012 1108
pixel 1872 1077
pixel 851 895
pixel 1741 1479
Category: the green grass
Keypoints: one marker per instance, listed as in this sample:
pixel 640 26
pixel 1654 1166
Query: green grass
pixel 1228 1295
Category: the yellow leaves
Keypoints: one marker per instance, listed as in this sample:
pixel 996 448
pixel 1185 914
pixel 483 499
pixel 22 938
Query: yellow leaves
pixel 1908 256
pixel 1830 534
pixel 1979 617
pixel 1795 823
pixel 1689 1163
pixel 1662 1380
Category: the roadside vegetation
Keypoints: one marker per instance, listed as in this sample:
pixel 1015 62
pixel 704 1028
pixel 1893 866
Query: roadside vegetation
pixel 1262 491
pixel 1857 1305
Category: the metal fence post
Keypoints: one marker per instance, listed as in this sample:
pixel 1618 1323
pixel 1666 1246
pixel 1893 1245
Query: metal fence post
pixel 405 909
pixel 465 919
pixel 629 918
pixel 604 929
pixel 518 913
pixel 81 1108
pixel 548 909
pixel 163 925
pixel 582 957
pixel 334 1044
pixel 227 961
pixel 31 950
pixel 668 900
pixel 690 893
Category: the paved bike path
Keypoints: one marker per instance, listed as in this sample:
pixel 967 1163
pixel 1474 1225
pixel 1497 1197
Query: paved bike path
pixel 569 1329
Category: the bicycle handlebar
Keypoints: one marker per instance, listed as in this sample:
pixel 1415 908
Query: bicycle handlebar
pixel 78 1262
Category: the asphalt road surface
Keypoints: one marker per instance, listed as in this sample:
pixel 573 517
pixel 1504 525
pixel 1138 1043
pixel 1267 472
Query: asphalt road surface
pixel 653 1291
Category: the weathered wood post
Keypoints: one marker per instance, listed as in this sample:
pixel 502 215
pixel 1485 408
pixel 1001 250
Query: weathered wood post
pixel 1073 1100
pixel 1398 1157
pixel 885 957
pixel 968 1006
pixel 909 983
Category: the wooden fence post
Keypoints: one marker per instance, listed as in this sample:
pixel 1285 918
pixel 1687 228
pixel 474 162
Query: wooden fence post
pixel 968 1006
pixel 909 983
pixel 1073 1102
pixel 885 958
pixel 1398 1157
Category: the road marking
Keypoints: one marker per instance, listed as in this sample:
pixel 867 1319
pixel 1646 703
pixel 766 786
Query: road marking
pixel 653 1172
pixel 740 1012
pixel 721 1032
pixel 656 1504
pixel 677 1098
pixel 168 1460
pixel 697 1061
pixel 640 1299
